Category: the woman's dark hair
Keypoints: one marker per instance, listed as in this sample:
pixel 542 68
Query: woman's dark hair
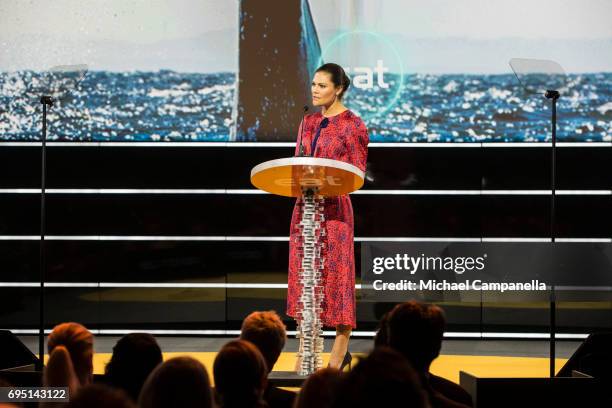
pixel 338 76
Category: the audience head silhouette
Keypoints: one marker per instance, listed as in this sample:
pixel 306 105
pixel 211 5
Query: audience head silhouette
pixel 100 396
pixel 382 379
pixel 320 389
pixel 240 375
pixel 266 331
pixel 415 330
pixel 181 382
pixel 134 357
pixel 70 362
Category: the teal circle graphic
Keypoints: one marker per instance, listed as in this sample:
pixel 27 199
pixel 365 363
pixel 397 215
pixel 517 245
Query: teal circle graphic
pixel 387 107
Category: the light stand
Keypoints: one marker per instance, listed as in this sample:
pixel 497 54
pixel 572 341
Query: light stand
pixel 553 96
pixel 545 77
pixel 53 85
pixel 45 101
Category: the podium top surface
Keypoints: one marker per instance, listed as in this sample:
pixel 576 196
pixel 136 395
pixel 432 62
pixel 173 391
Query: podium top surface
pixel 289 176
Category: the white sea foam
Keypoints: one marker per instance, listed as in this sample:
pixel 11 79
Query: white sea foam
pixel 167 93
pixel 420 127
pixel 451 87
pixel 528 108
pixel 215 88
pixel 499 93
pixel 603 109
pixel 473 96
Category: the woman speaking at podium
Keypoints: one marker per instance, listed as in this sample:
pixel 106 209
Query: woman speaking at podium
pixel 333 133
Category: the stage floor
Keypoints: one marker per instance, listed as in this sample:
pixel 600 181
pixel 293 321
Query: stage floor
pixel 483 358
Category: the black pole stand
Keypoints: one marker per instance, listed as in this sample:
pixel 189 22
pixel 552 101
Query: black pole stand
pixel 44 100
pixel 553 96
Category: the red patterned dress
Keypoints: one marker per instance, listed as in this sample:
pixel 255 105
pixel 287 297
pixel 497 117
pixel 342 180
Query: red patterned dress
pixel 344 137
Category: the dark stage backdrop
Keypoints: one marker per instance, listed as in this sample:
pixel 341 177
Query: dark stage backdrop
pixel 174 236
pixel 152 221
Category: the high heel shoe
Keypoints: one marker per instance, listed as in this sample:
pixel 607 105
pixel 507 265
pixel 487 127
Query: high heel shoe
pixel 348 358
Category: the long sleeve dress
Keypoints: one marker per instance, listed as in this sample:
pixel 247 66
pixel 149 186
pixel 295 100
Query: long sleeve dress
pixel 343 137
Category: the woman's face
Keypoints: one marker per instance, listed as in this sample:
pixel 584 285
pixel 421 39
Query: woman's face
pixel 323 89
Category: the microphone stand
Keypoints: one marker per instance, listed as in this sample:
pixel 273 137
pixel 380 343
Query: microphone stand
pixel 44 100
pixel 545 76
pixel 301 150
pixel 56 83
pixel 553 96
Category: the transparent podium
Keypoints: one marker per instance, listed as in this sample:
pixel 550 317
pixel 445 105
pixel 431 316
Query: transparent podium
pixel 312 179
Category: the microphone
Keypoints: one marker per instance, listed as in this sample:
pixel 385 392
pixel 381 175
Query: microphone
pixel 301 151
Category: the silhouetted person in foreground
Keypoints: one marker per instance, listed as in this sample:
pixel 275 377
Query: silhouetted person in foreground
pixel 240 376
pixel 134 357
pixel 383 379
pixel 268 333
pixel 415 330
pixel 181 382
pixel 100 396
pixel 70 361
pixel 320 389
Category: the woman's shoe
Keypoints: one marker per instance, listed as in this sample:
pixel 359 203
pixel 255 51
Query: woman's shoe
pixel 348 358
